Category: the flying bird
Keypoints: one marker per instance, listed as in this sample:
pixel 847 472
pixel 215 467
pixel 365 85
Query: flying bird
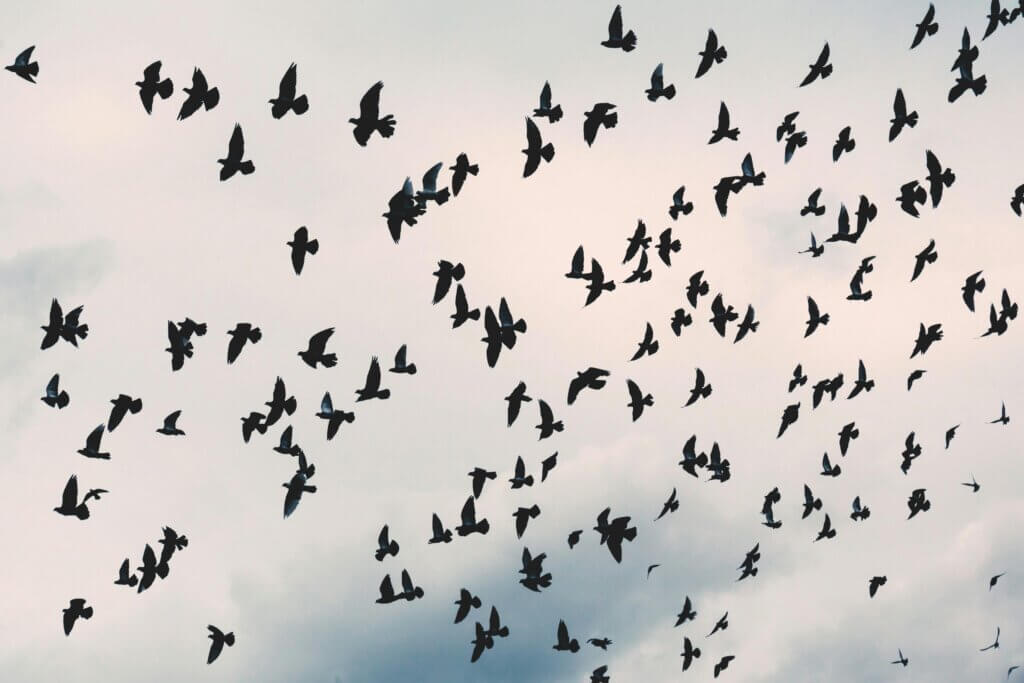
pixel 170 425
pixel 75 610
pixel 1003 418
pixel 92 445
pixel 658 88
pixel 591 378
pixel 335 418
pixel 601 115
pixel 385 546
pixel 24 68
pixel 974 284
pixel 314 353
pixel 242 334
pixel 994 645
pixel 548 425
pixel 286 100
pixel 616 39
pixel 685 208
pixel 536 149
pixel 814 317
pixel 637 399
pixel 648 346
pixel 670 505
pixel 900 117
pixel 232 163
pixel 938 178
pixel 200 95
pixel 440 534
pixel 55 397
pixel 564 643
pixel 430 191
pixel 712 54
pixel 460 171
pixel 302 245
pixel 723 130
pixel 402 210
pixel 701 389
pixel 370 121
pixel 69 505
pixel 923 258
pixel 844 143
pixel 552 113
pixel 218 639
pixel 927 27
pixel 821 68
pixel 371 388
pixel 151 85
pixel 466 602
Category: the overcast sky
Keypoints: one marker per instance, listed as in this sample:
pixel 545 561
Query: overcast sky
pixel 123 213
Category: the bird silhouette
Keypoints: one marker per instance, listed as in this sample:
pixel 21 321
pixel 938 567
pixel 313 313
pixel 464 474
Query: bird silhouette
pixel 314 353
pixel 125 577
pixel 874 583
pixel 902 660
pixel 648 346
pixel 844 143
pixel 1003 418
pixel 151 85
pixel 548 425
pixel 430 192
pixel 536 149
pixel 385 546
pixel 938 178
pixel 370 120
pixel 974 284
pixel 923 258
pixel 563 642
pixel 23 66
pixel 712 54
pixel 600 116
pixel 927 27
pixel 286 101
pixel 460 171
pixel 722 130
pixel 994 645
pixel 900 117
pixel 820 69
pixel 689 653
pixel 200 96
pixel 616 39
pixel 75 610
pixel 591 378
pixel 92 445
pixel 440 534
pixel 686 208
pixel 123 404
pixel 242 334
pixel 371 388
pixel 658 88
pixel 637 399
pixel 302 245
pixel 170 425
pixel 232 163
pixel 470 525
pixel 814 317
pixel 335 418
pixel 402 210
pixel 69 506
pixel 466 602
pixel 701 389
pixel 218 639
pixel 522 518
pixel 670 505
pixel 55 397
pixel 544 109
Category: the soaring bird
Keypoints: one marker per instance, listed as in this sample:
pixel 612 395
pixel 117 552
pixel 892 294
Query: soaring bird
pixel 658 87
pixel 150 86
pixel 900 117
pixel 23 67
pixel 821 68
pixel 370 120
pixel 76 609
pixel 544 109
pixel 232 163
pixel 218 639
pixel 712 54
pixel 616 39
pixel 536 149
pixel 286 100
pixel 200 95
pixel 69 506
pixel 927 27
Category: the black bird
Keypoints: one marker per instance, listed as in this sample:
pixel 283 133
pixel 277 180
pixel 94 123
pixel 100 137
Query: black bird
pixel 911 194
pixel 602 643
pixel 844 143
pixel 64 327
pixel 372 389
pixel 253 422
pixel 598 675
pixel 974 485
pixel 170 426
pixel 684 208
pixel 938 178
pixel 466 602
pixel 23 67
pixel 69 505
pixel 787 127
pixel 218 639
pixel 913 377
pixel 462 311
pixel 402 367
pixel 925 338
pixel 1017 200
pixel 900 117
pixel 814 317
pixel 749 561
pixel 430 193
pixel 1003 418
pixel 701 389
pixel 286 100
pixel 974 284
pixel 533 572
pixel 548 464
pixel 460 171
pixel 243 332
pixel 335 418
pixel 927 27
pixel 232 163
pixel 720 625
pixel 723 664
pixel 314 353
pixel 924 257
pixel 722 315
pixel 55 397
pixel 902 660
pixel 616 39
pixel 859 512
pixel 591 378
pixel 280 403
pixel 126 577
pixel 821 67
pixel 918 503
pixel 697 287
pixel 965 63
pixel 614 533
pixel 994 645
pixel 150 86
pixel 747 325
pixel 667 246
pixel 596 284
pixel 637 399
pixel 470 524
pixel 815 250
pixel 641 273
pixel 402 209
pixel 548 425
pixel 950 433
pixel 793 143
pixel 574 537
pixel 600 115
pixel 750 176
pixel 370 120
pixel 810 502
pixel 171 542
pixel 689 653
pixel 180 347
pixel 687 614
pixel 483 641
pixel 440 534
pixel 712 54
pixel 670 505
pixel 76 609
pixel 387 592
pixel 680 319
pixel 911 452
pixel 523 517
pixel 826 529
pixel 200 95
pixel 92 445
pixel 658 87
pixel 723 130
pixel 150 569
pixel 296 487
pixel 789 416
pixel 446 273
pixel 565 644
pixel 994 580
pixel 997 16
pixel 515 400
pixel 874 584
pixel 862 383
pixel 848 433
pixel 535 149
pixel 828 469
pixel 639 240
pixel 385 546
pixel 189 327
pixel 648 345
pixel 545 110
pixel 691 461
pixel 726 185
pixel 302 245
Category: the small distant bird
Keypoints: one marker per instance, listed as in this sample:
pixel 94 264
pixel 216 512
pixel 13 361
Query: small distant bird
pixel 515 401
pixel 680 319
pixel 810 502
pixel 372 389
pixel 598 675
pixel 799 378
pixel 994 580
pixel 815 250
pixel 648 346
pixel 314 353
pixel 548 464
pixel 874 583
pixel 55 397
pixel 150 86
pixel 938 178
pixel 402 210
pixel 637 241
pixel 466 602
pixel 591 378
pixel 1010 671
pixel 402 367
pixel 280 403
pixel 545 110
pixel 64 327
pixel 927 27
pixel 918 503
pixel 170 425
pixel 1003 418
pixel 747 325
pixel 460 171
pixel 848 433
pixel 658 87
pixel 701 389
pixel 844 143
pixel 689 653
pixel 296 487
pixel 232 163
pixel 565 644
pixel 243 333
pixel 924 257
pixel 200 95
pixel 997 16
pixel 828 469
pixel 670 505
pixel 668 246
pixel 446 273
pixel 76 609
pixel 335 418
pixel 150 569
pixel 253 422
pixel 574 537
pixel 616 39
pixel 548 425
pixel 860 513
pixel 69 506
pixel 911 194
pixel 92 445
pixel 597 285
pixel 440 533
pixel 641 273
pixel 722 315
pixel 720 625
pixel 900 117
pixel 821 68
pixel 430 193
pixel 536 149
pixel 723 130
pixel 602 643
pixel 370 120
pixel 787 127
pixel 286 100
pixel 685 208
pixel 614 533
pixel 522 518
pixel 950 433
pixel 385 546
pixel 601 115
pixel 218 640
pixel 723 664
pixel 814 317
pixel 123 404
pixel 994 645
pixel 974 485
pixel 470 524
pixel 125 577
pixel 902 660
pixel 913 377
pixel 687 613
pixel 826 529
pixel 302 245
pixel 926 337
pixel 974 284
pixel 651 568
pixel 23 67
pixel 637 399
pixel 712 54
pixel 1017 200
pixel 862 383
pixel 789 416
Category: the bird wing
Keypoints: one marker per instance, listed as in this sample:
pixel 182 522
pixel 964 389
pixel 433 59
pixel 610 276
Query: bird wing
pixel 615 24
pixel 373 375
pixel 469 512
pixel 545 96
pixel 286 90
pixel 236 147
pixel 430 178
pixel 318 341
pixel 657 79
pixel 369 105
pixel 26 54
pixel 812 309
pixel 899 105
pixel 70 498
pixel 92 441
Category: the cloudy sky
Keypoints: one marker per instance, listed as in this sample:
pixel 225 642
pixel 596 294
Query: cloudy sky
pixel 106 207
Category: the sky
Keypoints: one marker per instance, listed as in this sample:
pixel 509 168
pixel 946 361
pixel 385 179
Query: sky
pixel 122 212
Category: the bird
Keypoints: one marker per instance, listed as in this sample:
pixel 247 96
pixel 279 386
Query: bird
pixel 296 487
pixel 616 39
pixel 950 433
pixel 994 645
pixel 402 367
pixel 462 170
pixel 938 178
pixel 63 326
pixel 848 433
pixel 523 517
pixel 859 512
pixel 911 194
pixel 862 383
pixel 601 115
pixel 874 583
pixel 827 469
pixel 170 425
pixel 687 613
pixel 680 319
pixel 92 445
pixel 723 131
pixel 974 284
pixel 242 334
pixel 648 346
pixel 821 68
pixel 844 143
pixel 574 537
pixel 430 191
pixel 685 208
pixel 402 210
pixel 470 524
pixel 689 653
pixel 637 399
pixel 536 149
pixel 900 117
pixel 370 120
pixel 314 353
pixel 701 389
pixel 446 274
pixel 750 176
pixel 670 505
pixel 927 27
pixel 218 639
pixel 564 643
pixel 1003 418
pixel 997 16
pixel 602 643
pixel 462 311
pixel 815 250
pixel 385 546
pixel 75 610
pixel 902 660
pixel 150 569
pixel 591 378
pixel 598 675
pixel 533 571
pixel 280 403
pixel 180 347
pixel 335 418
pixel 253 422
pixel 123 404
pixel 302 245
pixel 151 85
pixel 1017 200
pixel 726 186
pixel 926 337
pixel 55 397
pixel 614 533
pixel 466 602
pixel 994 580
pixel 913 377
pixel 697 287
pixel 723 664
pixel 232 163
pixel 658 88
pixel 286 101
pixel 1010 671
pixel 372 389
pixel 722 315
pixel 787 127
pixel 814 317
pixel 712 54
pixel 965 63
pixel 810 502
pixel 924 257
pixel 799 378
pixel 639 240
pixel 793 143
pixel 918 503
pixel 651 568
pixel 789 416
pixel 548 425
pixel 200 96
pixel 24 68
pixel 515 401
pixel 440 534
pixel 125 577
pixel 826 529
pixel 973 485
pixel 552 113
pixel 69 506
pixel 597 285
pixel 720 625
pixel 747 325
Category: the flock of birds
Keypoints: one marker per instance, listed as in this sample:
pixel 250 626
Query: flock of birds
pixel 501 330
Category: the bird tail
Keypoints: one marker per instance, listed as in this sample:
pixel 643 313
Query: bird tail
pixel 411 369
pixel 827 71
pixel 547 152
pixel 721 54
pixel 63 399
pixel 520 326
pixel 554 115
pixel 211 99
pixel 255 335
pixel 629 42
pixel 132 580
pixel 669 92
pixel 86 613
pixel 474 169
pixel 483 526
pixel 379 555
pixel 229 639
pixel 82 331
pixel 386 126
pixel 912 119
pixel 33 68
pixel 442 196
pixel 824 319
pixel 312 246
pixel 474 314
pixel 300 105
pixel 648 400
pixel 290 405
pixel 611 120
pixel 558 426
pixel 329 360
pixel 528 480
pixel 383 393
pixel 246 167
pixel 135 406
pixel 165 89
pixel 629 534
pixel 309 489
